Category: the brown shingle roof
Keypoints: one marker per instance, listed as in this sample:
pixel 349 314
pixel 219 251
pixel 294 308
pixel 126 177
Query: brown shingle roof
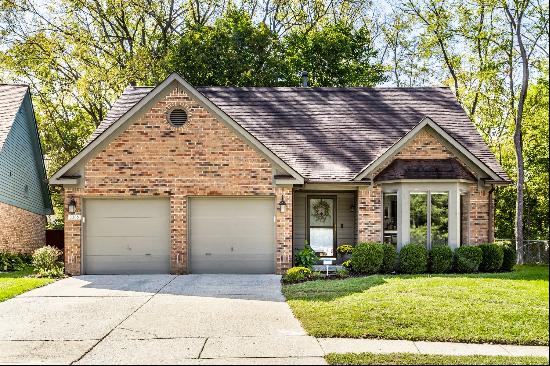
pixel 331 134
pixel 11 97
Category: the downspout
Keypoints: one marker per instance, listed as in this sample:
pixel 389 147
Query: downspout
pixel 491 228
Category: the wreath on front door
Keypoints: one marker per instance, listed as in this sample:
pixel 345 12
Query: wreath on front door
pixel 321 210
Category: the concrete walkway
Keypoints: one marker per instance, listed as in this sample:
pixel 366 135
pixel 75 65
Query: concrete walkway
pixel 193 319
pixel 347 345
pixel 155 319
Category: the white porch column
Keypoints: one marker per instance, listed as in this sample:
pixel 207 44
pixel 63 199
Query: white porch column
pixel 454 216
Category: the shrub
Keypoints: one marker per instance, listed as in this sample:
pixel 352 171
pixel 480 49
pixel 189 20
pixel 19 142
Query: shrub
pixel 367 258
pixel 306 257
pixel 440 259
pixel 413 259
pixel 342 273
pixel 509 255
pixel 344 249
pixel 46 262
pixel 297 274
pixel 347 265
pixel 13 261
pixel 467 259
pixel 492 258
pixel 390 255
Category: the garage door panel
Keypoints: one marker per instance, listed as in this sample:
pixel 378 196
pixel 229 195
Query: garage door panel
pixel 117 245
pixel 127 236
pixel 125 226
pixel 232 235
pixel 98 264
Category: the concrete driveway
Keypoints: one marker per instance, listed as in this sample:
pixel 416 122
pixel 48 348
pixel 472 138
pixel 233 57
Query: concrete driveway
pixel 152 319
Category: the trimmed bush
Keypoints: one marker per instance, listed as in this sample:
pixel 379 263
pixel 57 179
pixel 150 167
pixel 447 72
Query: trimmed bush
pixel 367 258
pixel 509 255
pixel 306 257
pixel 390 255
pixel 468 259
pixel 46 262
pixel 413 259
pixel 440 259
pixel 342 273
pixel 297 274
pixel 492 258
pixel 13 261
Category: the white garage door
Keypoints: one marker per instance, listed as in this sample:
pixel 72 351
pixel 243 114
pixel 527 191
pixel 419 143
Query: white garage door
pixel 232 235
pixel 127 236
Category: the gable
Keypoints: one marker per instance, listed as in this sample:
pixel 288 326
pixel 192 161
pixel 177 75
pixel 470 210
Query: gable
pixel 152 156
pixel 428 141
pixel 22 174
pixel 63 176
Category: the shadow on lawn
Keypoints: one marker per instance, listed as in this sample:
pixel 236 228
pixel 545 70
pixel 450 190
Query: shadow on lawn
pixel 328 290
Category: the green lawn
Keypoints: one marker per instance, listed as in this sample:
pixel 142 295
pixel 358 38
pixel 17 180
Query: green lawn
pixel 415 359
pixel 15 283
pixel 500 307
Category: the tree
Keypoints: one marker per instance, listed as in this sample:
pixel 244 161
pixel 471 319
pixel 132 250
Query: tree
pixel 335 55
pixel 232 52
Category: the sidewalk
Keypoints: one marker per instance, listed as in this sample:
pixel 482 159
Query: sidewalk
pixel 349 345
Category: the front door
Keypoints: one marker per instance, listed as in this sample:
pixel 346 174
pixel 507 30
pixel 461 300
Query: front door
pixel 322 224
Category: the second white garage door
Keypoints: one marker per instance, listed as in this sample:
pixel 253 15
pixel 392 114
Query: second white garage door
pixel 127 236
pixel 232 235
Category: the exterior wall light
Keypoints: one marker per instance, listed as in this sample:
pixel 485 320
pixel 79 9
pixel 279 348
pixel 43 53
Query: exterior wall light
pixel 71 207
pixel 282 205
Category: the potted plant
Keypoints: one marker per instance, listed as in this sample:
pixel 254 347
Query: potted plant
pixel 343 253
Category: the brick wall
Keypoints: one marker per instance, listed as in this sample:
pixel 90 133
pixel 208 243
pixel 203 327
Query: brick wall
pixel 424 146
pixel 369 214
pixel 153 158
pixel 21 230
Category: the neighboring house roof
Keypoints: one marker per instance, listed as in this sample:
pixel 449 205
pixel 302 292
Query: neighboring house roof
pixel 11 98
pixel 332 134
pixel 20 150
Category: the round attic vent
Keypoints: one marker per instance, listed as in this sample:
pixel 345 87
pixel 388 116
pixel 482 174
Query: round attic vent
pixel 177 117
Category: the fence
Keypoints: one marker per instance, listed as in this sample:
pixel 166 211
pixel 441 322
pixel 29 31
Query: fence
pixel 55 238
pixel 534 251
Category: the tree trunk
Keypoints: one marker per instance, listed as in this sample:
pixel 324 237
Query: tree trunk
pixel 518 141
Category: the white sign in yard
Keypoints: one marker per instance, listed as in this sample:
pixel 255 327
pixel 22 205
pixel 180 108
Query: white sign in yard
pixel 74 217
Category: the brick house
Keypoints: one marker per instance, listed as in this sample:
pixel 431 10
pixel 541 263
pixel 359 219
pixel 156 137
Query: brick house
pixel 24 194
pixel 235 180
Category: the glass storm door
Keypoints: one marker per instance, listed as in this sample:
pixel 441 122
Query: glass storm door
pixel 321 228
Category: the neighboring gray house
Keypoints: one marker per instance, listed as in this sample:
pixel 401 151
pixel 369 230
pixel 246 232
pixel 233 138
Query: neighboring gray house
pixel 24 194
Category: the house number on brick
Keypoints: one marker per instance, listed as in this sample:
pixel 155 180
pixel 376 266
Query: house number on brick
pixel 75 217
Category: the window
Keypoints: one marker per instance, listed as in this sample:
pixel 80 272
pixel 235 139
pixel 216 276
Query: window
pixel 429 218
pixel 390 218
pixel 321 212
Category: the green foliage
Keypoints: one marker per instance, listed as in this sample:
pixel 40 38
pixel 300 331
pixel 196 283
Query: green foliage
pixel 344 249
pixel 13 261
pixel 306 257
pixel 367 258
pixel 347 265
pixel 509 256
pixel 342 273
pixel 46 262
pixel 390 255
pixel 335 55
pixel 440 259
pixel 492 258
pixel 467 259
pixel 413 259
pixel 297 274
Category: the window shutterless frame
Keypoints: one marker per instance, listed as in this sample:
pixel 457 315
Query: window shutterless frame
pixel 334 221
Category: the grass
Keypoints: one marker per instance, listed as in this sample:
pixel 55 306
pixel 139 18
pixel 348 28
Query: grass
pixel 15 283
pixel 507 308
pixel 415 359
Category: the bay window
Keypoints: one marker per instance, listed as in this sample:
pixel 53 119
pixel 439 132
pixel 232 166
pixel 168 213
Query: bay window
pixel 429 218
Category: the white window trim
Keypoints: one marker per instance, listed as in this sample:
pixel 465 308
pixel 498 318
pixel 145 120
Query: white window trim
pixel 404 189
